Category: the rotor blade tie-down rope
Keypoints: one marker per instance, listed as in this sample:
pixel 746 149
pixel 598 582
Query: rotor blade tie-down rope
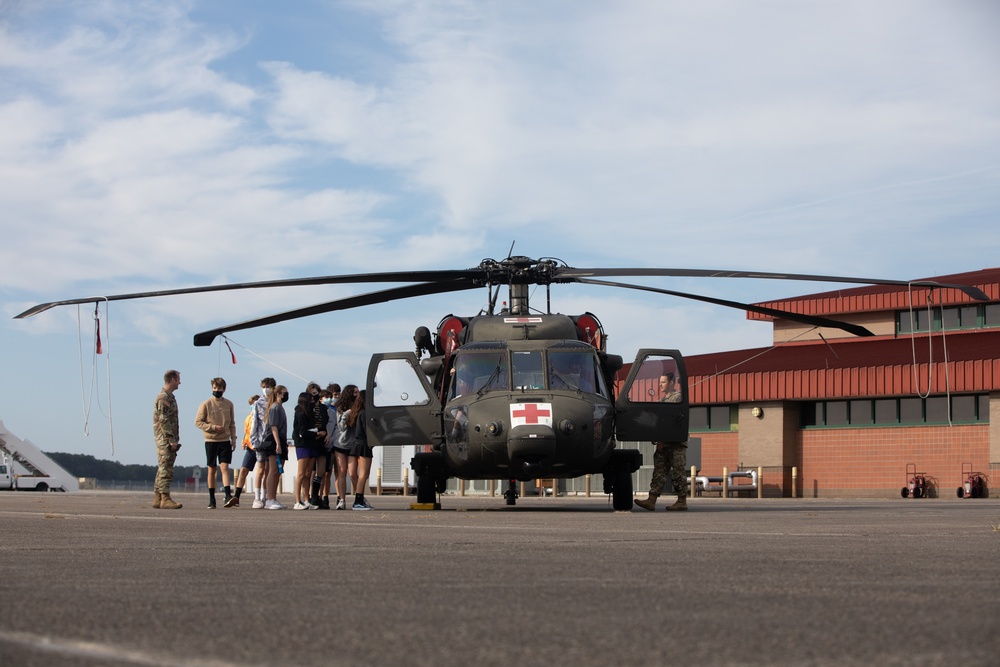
pixel 87 402
pixel 244 347
pixel 930 351
pixel 913 344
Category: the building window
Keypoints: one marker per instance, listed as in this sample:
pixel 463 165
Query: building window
pixel 836 413
pixel 911 410
pixel 991 315
pixel 861 412
pixel 886 411
pixel 963 408
pixel 966 409
pixel 948 318
pixel 712 418
pixel 936 410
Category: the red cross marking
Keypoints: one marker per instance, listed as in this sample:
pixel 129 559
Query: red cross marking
pixel 531 413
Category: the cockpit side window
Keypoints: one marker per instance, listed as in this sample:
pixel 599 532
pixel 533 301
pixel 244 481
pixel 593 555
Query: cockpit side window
pixel 658 380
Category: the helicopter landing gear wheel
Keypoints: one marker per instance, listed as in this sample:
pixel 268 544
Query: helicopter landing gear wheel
pixel 510 495
pixel 426 489
pixel 621 494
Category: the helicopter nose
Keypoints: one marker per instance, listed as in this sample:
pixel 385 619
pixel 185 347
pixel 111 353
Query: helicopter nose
pixel 531 443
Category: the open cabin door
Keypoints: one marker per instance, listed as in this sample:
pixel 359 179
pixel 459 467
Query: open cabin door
pixel 401 406
pixel 652 404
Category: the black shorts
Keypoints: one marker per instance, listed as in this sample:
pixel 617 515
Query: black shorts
pixel 362 450
pixel 221 452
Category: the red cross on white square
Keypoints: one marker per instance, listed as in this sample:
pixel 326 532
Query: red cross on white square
pixel 531 413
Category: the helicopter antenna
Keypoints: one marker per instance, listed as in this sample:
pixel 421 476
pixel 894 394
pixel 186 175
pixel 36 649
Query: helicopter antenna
pixel 511 251
pixel 493 296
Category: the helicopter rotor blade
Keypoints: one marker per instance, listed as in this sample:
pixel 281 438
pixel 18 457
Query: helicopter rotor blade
pixel 390 277
pixel 205 338
pixel 569 272
pixel 763 310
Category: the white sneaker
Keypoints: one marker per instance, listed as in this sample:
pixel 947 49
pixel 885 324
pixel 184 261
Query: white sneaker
pixel 257 504
pixel 341 505
pixel 273 505
pixel 300 506
pixel 310 506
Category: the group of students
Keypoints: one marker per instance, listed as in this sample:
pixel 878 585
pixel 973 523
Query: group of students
pixel 330 440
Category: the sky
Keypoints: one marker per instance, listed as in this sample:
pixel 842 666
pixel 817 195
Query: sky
pixel 162 144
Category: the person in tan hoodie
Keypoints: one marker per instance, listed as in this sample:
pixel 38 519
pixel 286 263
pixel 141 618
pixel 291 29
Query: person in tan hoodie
pixel 216 417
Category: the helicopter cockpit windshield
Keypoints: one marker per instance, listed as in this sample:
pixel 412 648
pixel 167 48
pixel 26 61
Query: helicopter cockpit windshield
pixel 577 370
pixel 482 371
pixel 479 372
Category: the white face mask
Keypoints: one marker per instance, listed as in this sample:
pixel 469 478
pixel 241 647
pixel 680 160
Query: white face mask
pixel 267 391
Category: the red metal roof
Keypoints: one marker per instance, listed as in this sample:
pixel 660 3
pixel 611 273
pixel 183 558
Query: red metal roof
pixel 849 367
pixel 887 297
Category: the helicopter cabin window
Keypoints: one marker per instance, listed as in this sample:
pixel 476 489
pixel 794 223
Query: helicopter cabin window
pixel 528 371
pixel 479 371
pixel 657 381
pixel 576 370
pixel 397 383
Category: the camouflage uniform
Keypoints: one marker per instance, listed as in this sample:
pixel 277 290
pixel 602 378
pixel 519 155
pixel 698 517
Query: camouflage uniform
pixel 671 455
pixel 166 431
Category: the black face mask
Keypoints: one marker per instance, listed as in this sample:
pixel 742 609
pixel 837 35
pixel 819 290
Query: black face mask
pixel 284 397
pixel 218 394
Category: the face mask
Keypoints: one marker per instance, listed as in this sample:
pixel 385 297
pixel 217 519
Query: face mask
pixel 326 401
pixel 217 394
pixel 267 391
pixel 284 397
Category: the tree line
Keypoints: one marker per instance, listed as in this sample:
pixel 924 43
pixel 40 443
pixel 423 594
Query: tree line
pixel 85 465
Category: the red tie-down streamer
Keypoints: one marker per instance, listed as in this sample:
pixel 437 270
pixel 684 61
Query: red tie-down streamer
pixel 97 327
pixel 231 353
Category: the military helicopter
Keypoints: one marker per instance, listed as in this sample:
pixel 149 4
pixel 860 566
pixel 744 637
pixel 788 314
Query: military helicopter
pixel 518 393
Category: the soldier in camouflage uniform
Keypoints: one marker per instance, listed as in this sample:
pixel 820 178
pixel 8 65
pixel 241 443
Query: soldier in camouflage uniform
pixel 672 455
pixel 166 433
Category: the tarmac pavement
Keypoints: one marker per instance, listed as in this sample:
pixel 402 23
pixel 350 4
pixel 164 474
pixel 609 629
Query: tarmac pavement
pixel 101 578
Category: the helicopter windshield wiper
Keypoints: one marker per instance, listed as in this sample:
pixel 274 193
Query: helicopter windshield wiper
pixel 494 376
pixel 554 375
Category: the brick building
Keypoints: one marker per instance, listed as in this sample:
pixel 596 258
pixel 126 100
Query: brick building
pixel 848 413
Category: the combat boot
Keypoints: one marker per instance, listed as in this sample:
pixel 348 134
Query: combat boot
pixel 167 503
pixel 157 496
pixel 680 506
pixel 649 503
